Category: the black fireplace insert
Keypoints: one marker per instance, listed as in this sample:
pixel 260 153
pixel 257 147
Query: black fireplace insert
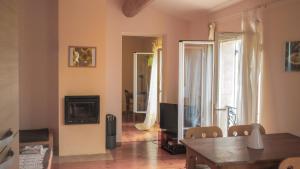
pixel 82 109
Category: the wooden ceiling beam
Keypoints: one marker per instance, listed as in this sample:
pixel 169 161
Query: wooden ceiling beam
pixel 132 7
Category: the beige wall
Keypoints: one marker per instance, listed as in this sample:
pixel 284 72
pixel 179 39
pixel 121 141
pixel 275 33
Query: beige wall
pixel 148 22
pixel 198 29
pixel 9 75
pixel 103 25
pixel 81 23
pixel 38 25
pixel 281 89
pixel 39 69
pixel 131 44
pixel 282 95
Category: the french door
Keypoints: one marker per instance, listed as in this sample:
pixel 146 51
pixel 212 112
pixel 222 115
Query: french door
pixel 227 81
pixel 196 70
pixel 209 83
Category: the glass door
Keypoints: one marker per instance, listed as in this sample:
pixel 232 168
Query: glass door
pixel 141 81
pixel 228 80
pixel 196 69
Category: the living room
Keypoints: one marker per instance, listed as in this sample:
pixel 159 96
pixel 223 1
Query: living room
pixel 36 72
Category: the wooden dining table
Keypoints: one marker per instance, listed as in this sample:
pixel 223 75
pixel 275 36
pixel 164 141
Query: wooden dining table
pixel 233 153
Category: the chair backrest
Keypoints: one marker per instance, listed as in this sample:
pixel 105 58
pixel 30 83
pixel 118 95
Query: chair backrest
pixel 290 163
pixel 243 130
pixel 128 96
pixel 128 99
pixel 203 132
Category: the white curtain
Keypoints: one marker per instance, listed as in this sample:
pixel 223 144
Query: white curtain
pixel 152 99
pixel 198 86
pixel 211 33
pixel 251 68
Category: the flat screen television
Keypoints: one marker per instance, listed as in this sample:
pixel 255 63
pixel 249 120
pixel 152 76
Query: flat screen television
pixel 169 117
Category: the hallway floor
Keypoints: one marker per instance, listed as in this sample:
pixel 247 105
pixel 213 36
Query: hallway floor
pixel 132 155
pixel 131 134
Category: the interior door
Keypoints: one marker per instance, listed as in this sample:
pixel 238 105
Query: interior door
pixel 227 81
pixel 141 81
pixel 196 70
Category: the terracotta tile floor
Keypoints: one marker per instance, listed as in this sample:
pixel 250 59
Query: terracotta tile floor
pixel 132 155
pixel 139 150
pixel 130 133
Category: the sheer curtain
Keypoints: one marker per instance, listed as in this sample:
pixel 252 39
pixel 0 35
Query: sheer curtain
pixel 251 67
pixel 192 85
pixel 152 99
pixel 198 65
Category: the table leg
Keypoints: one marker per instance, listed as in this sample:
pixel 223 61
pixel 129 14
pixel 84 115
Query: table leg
pixel 190 159
pixel 201 160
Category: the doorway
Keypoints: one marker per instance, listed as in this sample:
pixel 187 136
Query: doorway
pixel 141 87
pixel 196 65
pixel 228 77
pixel 209 83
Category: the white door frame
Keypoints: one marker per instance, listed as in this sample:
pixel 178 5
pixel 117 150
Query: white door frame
pixel 225 36
pixel 181 78
pixel 135 56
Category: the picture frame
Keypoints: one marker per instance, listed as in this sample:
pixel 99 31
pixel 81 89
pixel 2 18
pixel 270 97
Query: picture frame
pixel 292 56
pixel 82 56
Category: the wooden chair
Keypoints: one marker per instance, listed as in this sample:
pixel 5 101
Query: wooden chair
pixel 203 132
pixel 129 104
pixel 290 163
pixel 243 130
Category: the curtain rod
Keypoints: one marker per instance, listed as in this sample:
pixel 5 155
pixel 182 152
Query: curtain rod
pixel 265 4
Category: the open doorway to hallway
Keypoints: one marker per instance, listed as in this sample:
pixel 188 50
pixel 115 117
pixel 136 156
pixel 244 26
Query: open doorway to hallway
pixel 141 87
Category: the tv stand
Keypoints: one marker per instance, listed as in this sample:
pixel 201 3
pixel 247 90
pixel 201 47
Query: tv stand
pixel 169 142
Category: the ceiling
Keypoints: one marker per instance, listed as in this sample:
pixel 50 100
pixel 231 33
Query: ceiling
pixel 190 9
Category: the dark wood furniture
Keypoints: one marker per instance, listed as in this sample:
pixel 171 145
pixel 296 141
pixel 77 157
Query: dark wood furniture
pixel 203 132
pixel 232 152
pixel 36 137
pixel 169 142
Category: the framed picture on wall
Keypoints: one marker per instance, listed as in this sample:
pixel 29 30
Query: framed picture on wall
pixel 82 56
pixel 292 56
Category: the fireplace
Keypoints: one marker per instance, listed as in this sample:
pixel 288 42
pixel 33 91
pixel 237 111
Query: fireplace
pixel 82 109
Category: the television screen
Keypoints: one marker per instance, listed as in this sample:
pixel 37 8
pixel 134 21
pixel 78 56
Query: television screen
pixel 169 117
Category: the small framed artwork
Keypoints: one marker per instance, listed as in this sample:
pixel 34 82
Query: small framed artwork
pixel 82 56
pixel 292 56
